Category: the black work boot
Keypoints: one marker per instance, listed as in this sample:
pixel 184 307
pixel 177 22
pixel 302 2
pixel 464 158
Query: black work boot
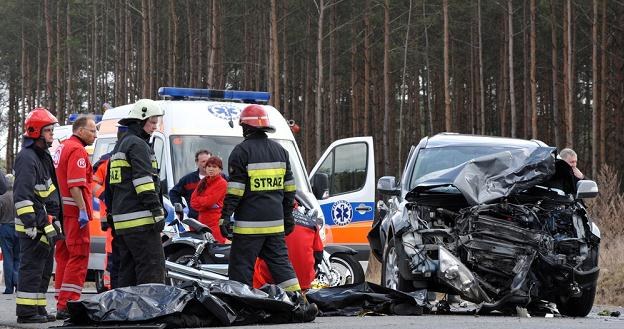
pixel 32 319
pixel 304 311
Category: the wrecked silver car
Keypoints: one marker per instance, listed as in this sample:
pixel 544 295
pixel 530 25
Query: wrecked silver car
pixel 498 221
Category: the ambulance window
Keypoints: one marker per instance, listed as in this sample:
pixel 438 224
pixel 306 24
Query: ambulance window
pixel 159 151
pixel 346 167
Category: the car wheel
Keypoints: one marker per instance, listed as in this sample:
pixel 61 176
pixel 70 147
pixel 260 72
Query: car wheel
pixel 348 268
pixel 390 274
pixel 582 305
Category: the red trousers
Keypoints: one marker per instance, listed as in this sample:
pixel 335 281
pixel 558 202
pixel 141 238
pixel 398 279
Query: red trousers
pixel 72 261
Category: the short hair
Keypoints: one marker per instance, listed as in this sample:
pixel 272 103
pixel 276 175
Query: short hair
pixel 202 151
pixel 215 161
pixel 567 153
pixel 81 122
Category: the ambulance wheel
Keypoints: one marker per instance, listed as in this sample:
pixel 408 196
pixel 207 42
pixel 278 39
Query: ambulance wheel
pixel 347 267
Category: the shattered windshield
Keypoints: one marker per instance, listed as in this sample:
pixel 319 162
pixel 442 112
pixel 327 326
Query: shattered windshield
pixel 183 148
pixel 440 158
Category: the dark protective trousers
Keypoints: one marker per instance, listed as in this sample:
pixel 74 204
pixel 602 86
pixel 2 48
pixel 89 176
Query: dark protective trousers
pixel 36 259
pixel 141 258
pixel 272 248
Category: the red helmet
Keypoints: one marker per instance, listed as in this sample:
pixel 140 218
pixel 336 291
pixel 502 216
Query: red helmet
pixel 36 119
pixel 256 116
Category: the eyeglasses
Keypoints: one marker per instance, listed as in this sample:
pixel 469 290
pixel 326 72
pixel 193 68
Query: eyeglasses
pixel 47 130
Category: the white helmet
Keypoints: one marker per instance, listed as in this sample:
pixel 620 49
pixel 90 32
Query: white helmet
pixel 143 109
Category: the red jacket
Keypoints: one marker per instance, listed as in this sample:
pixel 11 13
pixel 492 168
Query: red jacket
pixel 209 204
pixel 73 169
pixel 302 243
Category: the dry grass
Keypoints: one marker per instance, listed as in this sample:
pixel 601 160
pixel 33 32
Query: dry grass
pixel 608 212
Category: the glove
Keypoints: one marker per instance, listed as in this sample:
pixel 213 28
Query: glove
pixel 226 227
pixel 58 228
pixel 31 232
pixel 83 219
pixel 159 219
pixel 289 226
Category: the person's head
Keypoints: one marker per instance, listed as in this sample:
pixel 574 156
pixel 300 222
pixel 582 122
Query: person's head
pixel 255 118
pixel 39 126
pixel 84 127
pixel 201 157
pixel 213 166
pixel 145 112
pixel 568 155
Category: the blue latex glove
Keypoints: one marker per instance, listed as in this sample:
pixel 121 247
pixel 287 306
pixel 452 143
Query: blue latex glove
pixel 83 219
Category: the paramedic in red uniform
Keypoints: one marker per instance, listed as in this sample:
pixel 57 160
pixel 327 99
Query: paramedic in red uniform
pixel 74 173
pixel 207 199
pixel 305 251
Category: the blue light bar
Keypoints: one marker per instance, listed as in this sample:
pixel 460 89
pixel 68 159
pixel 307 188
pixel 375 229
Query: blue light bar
pixel 73 116
pixel 242 95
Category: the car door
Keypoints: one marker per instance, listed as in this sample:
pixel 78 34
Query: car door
pixel 349 204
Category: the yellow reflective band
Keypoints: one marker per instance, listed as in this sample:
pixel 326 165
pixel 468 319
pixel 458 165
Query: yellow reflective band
pixel 294 287
pixel 25 210
pixel 44 239
pixel 290 188
pixel 266 183
pixel 267 172
pixel 45 194
pixel 145 187
pixel 259 230
pixel 20 228
pixel 119 163
pixel 155 164
pixel 26 301
pixel 235 191
pixel 48 229
pixel 42 302
pixel 134 223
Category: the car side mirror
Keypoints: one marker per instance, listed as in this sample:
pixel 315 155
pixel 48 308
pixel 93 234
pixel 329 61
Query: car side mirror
pixel 586 189
pixel 320 186
pixel 387 185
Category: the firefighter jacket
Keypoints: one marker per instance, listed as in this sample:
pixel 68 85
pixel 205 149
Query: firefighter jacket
pixel 209 203
pixel 304 248
pixel 133 183
pixel 261 189
pixel 73 169
pixel 184 189
pixel 35 191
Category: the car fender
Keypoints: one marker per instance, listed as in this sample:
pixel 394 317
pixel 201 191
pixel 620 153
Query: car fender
pixel 334 248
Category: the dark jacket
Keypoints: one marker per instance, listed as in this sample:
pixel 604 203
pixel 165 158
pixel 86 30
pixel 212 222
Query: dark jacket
pixel 261 189
pixel 133 183
pixel 7 208
pixel 184 189
pixel 35 190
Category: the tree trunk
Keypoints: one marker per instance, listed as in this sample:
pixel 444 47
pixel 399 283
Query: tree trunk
pixel 274 58
pixel 533 74
pixel 286 104
pixel 569 84
pixel 332 76
pixel 354 76
pixel 404 87
pixel 386 82
pixel 555 74
pixel 447 95
pixel 367 67
pixel 512 95
pixel 319 82
pixel 428 77
pixel 595 94
pixel 603 85
pixel 49 98
pixel 481 87
pixel 59 65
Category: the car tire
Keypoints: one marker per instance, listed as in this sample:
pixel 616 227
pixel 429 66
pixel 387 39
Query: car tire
pixel 349 268
pixel 582 305
pixel 390 274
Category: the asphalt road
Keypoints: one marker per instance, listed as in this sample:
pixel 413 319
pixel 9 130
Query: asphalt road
pixel 8 320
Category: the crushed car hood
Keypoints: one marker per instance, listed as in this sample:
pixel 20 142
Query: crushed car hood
pixel 491 177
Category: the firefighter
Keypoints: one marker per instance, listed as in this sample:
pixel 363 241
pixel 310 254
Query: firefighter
pixel 188 183
pixel 261 192
pixel 305 251
pixel 38 208
pixel 74 173
pixel 135 200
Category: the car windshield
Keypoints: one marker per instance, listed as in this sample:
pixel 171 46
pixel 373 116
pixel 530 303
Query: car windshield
pixel 183 150
pixel 440 158
pixel 102 146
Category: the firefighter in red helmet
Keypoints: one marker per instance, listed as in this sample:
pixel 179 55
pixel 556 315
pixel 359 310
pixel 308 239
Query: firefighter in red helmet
pixel 37 204
pixel 260 194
